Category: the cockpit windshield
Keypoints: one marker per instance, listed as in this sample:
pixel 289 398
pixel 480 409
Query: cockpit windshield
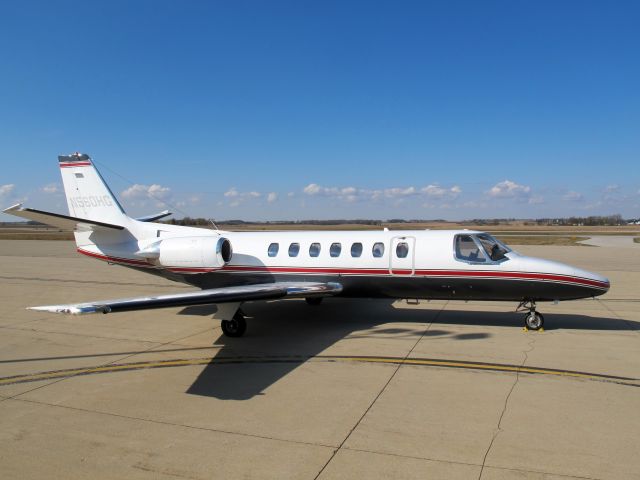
pixel 480 248
pixel 494 248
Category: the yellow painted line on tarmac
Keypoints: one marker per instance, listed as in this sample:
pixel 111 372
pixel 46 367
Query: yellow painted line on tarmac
pixel 485 366
pixel 445 363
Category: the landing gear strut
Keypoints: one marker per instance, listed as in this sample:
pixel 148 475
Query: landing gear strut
pixel 533 320
pixel 236 326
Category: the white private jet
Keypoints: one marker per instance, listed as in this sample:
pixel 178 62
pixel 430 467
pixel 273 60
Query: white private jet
pixel 234 267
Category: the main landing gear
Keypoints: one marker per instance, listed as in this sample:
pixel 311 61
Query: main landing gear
pixel 236 326
pixel 533 320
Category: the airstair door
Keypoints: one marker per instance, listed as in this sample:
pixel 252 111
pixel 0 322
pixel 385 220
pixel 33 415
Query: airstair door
pixel 402 256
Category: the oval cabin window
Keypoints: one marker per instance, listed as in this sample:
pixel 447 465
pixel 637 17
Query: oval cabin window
pixel 335 249
pixel 402 250
pixel 314 250
pixel 273 250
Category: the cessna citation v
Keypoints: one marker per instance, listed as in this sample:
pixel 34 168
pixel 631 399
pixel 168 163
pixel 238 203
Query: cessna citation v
pixel 229 268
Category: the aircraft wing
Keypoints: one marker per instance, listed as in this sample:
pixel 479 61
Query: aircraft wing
pixel 64 222
pixel 242 293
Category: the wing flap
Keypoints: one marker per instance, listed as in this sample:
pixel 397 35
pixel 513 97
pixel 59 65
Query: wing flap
pixel 242 293
pixel 65 222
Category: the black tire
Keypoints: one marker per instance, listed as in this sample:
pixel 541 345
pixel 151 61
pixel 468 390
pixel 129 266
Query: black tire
pixel 313 300
pixel 534 320
pixel 234 327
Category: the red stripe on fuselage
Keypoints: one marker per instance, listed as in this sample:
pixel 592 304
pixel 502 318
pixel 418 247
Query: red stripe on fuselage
pixel 141 263
pixel 362 271
pixel 78 164
pixel 128 261
pixel 426 273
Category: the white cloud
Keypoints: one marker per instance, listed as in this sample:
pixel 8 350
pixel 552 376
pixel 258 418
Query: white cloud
pixel 509 189
pixel 436 191
pixel 231 193
pixel 611 188
pixel 6 190
pixel 236 197
pixel 272 197
pixel 572 196
pixel 353 194
pixel 312 189
pixel 395 192
pixel 51 188
pixel 139 191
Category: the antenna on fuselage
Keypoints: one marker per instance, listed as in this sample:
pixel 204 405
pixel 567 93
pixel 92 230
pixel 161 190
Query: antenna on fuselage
pixel 214 224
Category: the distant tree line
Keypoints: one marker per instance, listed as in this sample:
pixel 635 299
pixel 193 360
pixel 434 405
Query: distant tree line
pixel 206 222
pixel 591 221
pixel 594 220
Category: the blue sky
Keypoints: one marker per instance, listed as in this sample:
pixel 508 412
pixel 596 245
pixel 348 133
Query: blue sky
pixel 290 110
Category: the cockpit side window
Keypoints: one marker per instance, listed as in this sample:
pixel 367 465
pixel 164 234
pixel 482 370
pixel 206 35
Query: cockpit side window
pixel 494 249
pixel 468 251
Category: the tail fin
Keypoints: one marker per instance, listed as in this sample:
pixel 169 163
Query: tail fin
pixel 88 196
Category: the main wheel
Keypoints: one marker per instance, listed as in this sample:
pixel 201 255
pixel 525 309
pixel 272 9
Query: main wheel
pixel 313 300
pixel 534 320
pixel 234 327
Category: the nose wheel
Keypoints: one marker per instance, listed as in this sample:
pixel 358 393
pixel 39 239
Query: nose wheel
pixel 236 326
pixel 533 320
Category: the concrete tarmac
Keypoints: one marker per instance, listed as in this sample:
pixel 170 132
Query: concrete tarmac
pixel 348 389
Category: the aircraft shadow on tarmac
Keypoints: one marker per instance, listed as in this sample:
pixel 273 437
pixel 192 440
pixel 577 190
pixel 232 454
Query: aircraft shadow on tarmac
pixel 292 328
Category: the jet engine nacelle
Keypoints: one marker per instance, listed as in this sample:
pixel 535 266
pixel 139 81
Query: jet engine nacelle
pixel 191 252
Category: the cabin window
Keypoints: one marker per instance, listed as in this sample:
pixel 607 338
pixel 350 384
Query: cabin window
pixel 294 248
pixel 467 250
pixel 335 249
pixel 402 250
pixel 378 249
pixel 314 249
pixel 273 249
pixel 356 249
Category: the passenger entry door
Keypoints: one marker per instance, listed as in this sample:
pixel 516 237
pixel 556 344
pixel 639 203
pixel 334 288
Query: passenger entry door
pixel 402 256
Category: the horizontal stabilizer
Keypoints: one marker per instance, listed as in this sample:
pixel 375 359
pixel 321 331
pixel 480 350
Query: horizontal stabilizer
pixel 243 293
pixel 65 222
pixel 154 217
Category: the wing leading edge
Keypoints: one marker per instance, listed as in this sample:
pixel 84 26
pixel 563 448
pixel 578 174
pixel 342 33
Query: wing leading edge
pixel 243 293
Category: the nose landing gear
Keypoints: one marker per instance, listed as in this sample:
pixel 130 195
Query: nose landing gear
pixel 533 320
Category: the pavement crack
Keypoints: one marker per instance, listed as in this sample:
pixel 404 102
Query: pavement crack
pixel 173 424
pixel 384 387
pixel 506 404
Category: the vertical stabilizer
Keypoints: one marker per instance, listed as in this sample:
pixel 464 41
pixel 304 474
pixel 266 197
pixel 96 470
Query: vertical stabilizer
pixel 88 196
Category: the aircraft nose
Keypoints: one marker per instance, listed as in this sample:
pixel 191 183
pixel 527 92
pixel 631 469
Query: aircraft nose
pixel 585 283
pixel 597 281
